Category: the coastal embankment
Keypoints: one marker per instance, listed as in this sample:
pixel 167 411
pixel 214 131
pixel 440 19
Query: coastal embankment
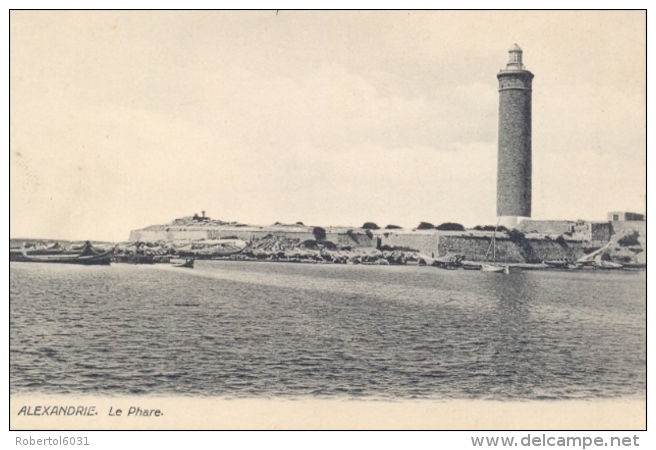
pixel 533 242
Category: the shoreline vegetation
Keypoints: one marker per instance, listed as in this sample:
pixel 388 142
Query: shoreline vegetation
pixel 448 245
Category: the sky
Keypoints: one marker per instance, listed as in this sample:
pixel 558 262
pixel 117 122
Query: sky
pixel 124 119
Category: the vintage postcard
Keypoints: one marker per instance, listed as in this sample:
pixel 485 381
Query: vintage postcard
pixel 328 220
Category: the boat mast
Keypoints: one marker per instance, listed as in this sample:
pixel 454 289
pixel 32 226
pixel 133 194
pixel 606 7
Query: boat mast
pixel 494 247
pixel 493 243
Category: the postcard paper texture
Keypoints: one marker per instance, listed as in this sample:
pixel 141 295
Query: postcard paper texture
pixel 328 220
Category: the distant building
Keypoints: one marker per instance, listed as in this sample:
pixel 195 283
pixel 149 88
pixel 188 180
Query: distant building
pixel 202 218
pixel 624 216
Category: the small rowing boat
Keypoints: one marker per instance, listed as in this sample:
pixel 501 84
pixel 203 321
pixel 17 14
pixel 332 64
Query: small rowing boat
pixel 560 263
pixel 494 268
pixel 187 263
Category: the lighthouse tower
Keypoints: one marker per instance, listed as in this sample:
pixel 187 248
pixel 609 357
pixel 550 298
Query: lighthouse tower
pixel 514 158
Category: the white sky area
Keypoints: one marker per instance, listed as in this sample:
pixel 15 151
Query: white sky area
pixel 120 120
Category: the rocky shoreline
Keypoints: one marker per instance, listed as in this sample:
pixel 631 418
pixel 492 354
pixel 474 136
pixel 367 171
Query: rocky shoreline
pixel 447 245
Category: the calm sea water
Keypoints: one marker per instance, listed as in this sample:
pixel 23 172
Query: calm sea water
pixel 236 329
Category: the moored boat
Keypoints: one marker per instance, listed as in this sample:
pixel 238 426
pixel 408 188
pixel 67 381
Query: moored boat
pixel 529 266
pixel 448 262
pixel 608 265
pixel 183 262
pixel 493 268
pixel 560 263
pixel 87 257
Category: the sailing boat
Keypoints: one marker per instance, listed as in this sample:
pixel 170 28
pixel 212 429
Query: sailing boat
pixel 493 267
pixel 594 260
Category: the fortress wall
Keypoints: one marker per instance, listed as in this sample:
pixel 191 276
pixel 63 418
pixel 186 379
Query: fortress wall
pixel 218 233
pixel 475 248
pixel 197 233
pixel 601 231
pixel 336 237
pixel 163 235
pixel 473 245
pixel 528 251
pixel 245 233
pixel 544 249
pixel 622 228
pixel 344 240
pixel 426 243
pixel 547 226
pixel 250 234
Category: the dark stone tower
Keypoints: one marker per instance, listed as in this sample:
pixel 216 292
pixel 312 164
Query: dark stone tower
pixel 514 159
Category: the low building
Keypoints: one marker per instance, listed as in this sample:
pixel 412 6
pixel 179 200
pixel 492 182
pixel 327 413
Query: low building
pixel 624 216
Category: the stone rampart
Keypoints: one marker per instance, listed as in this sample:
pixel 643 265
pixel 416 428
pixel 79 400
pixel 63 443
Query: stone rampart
pixel 423 242
pixel 547 226
pixel 474 245
pixel 505 250
pixel 626 227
